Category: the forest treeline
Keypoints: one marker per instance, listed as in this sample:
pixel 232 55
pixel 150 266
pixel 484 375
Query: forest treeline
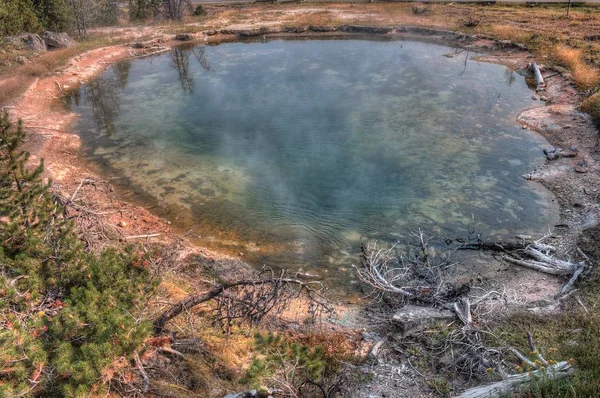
pixel 17 16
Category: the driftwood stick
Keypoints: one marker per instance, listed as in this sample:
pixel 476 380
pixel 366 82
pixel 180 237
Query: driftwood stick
pixel 569 285
pixel 143 373
pixel 501 388
pixel 539 256
pixel 522 357
pixel 538 76
pixel 46 128
pixel 463 310
pixel 60 87
pixel 534 350
pixel 142 236
pixel 83 181
pixel 538 266
pixel 169 352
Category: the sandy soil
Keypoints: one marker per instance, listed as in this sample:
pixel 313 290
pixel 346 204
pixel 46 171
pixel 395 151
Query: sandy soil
pixel 572 180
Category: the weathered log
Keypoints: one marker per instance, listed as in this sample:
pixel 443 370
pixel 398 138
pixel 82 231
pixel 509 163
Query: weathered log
pixel 569 285
pixel 501 388
pixel 539 266
pixel 551 261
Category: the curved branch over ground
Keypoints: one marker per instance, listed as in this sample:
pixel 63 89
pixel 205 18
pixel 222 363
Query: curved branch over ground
pixel 251 299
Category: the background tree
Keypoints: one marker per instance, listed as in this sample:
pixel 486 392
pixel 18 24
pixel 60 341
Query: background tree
pixel 54 15
pixel 18 16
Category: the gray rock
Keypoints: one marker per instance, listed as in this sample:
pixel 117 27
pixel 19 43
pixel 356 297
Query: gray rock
pixel 21 60
pixel 27 41
pixel 571 152
pixel 549 149
pixel 34 42
pixel 57 40
pixel 184 37
pixel 412 319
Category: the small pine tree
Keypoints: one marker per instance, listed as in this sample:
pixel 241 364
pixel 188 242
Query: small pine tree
pixel 61 307
pixel 292 362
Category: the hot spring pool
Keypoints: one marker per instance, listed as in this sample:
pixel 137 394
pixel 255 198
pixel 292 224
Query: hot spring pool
pixel 292 151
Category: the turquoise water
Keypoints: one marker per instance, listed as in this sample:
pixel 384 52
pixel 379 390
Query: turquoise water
pixel 290 152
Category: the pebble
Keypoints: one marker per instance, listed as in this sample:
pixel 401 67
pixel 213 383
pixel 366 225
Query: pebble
pixel 581 169
pixel 534 97
pixel 122 224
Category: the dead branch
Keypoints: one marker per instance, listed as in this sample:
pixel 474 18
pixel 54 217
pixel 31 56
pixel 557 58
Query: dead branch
pixel 169 352
pixel 251 300
pixel 569 285
pixel 559 370
pixel 142 236
pixel 143 373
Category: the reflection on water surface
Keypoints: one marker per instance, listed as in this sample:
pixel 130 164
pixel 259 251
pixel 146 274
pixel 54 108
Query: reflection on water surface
pixel 291 151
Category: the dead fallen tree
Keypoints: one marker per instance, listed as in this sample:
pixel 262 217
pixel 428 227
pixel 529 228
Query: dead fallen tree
pixel 251 300
pixel 533 255
pixel 470 356
pixel 559 370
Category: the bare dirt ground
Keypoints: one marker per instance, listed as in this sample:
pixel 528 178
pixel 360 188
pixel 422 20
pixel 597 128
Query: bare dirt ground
pixel 574 181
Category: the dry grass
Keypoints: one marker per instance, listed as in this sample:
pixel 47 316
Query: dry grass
pixel 13 87
pixel 584 75
pixel 15 78
pixel 592 106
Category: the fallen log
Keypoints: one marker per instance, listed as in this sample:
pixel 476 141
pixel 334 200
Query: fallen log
pixel 557 371
pixel 539 266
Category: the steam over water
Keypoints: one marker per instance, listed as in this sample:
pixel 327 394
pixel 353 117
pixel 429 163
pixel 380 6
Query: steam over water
pixel 291 151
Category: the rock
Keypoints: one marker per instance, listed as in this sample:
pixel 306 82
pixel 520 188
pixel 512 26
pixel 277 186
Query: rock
pixel 581 169
pixel 534 97
pixel 122 224
pixel 412 319
pixel 184 37
pixel 33 42
pixel 549 149
pixel 570 152
pixel 211 32
pixel 26 41
pixel 21 60
pixel 57 40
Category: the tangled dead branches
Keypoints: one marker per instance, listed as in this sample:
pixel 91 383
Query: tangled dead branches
pixel 416 272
